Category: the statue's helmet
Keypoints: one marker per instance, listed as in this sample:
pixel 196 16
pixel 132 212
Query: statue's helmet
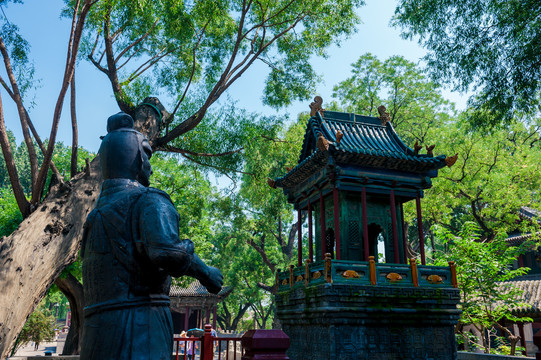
pixel 124 152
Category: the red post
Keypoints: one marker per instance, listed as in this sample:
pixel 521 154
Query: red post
pixel 299 242
pixel 336 222
pixel 206 347
pixel 420 227
pixel 310 235
pixel 365 226
pixel 322 224
pixel 537 342
pixel 522 338
pixel 454 280
pixel 414 273
pixel 404 235
pixel 395 230
pixel 372 270
pixel 187 318
pixel 265 344
pixel 214 316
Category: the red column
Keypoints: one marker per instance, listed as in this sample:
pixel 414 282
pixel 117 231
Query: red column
pixel 420 227
pixel 521 261
pixel 299 242
pixel 322 224
pixel 310 235
pixel 336 222
pixel 522 338
pixel 186 318
pixel 214 315
pixel 365 225
pixel 404 235
pixel 395 230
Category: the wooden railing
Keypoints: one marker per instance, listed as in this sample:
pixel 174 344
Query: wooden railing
pixel 366 273
pixel 272 344
pixel 208 347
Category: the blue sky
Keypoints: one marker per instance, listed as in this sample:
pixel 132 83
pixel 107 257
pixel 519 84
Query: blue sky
pixel 48 34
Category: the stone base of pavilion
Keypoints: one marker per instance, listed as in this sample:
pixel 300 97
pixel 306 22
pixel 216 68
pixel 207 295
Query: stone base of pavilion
pixel 337 317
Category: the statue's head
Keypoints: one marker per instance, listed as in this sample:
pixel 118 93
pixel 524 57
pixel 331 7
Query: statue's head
pixel 125 152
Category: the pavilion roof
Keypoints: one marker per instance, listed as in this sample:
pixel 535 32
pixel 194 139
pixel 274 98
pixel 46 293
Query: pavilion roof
pixel 195 289
pixel 356 140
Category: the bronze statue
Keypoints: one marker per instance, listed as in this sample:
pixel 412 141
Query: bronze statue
pixel 130 250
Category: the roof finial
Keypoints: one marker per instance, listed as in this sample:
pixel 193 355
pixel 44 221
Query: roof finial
pixel 339 136
pixel 322 143
pixel 316 106
pixel 417 148
pixel 451 160
pixel 383 115
pixel 430 150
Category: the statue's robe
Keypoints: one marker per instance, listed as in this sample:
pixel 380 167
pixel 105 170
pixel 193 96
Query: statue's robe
pixel 130 251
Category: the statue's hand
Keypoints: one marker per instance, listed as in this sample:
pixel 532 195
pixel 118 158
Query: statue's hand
pixel 214 280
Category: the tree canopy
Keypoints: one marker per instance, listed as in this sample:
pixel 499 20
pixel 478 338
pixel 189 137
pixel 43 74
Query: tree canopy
pixel 490 46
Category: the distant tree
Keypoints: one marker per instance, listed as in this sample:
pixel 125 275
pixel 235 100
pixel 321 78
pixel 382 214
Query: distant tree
pixel 496 173
pixel 491 46
pixel 482 268
pixel 415 103
pixel 38 328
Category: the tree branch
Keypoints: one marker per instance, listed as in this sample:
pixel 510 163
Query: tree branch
pixel 22 203
pixel 260 248
pixel 68 73
pixel 172 149
pixel 74 131
pixel 32 157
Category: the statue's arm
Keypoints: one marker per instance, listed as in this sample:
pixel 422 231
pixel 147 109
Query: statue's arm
pixel 158 224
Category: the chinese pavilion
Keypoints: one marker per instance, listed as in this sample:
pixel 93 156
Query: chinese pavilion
pixel 357 295
pixel 192 306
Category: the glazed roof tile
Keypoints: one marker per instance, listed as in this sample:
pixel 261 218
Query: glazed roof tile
pixel 365 143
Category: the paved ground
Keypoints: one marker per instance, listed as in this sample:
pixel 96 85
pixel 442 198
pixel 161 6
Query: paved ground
pixel 28 349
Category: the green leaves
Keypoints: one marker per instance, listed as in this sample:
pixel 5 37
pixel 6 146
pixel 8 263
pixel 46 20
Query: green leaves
pixel 491 46
pixel 209 44
pixel 496 174
pixel 414 103
pixel 483 267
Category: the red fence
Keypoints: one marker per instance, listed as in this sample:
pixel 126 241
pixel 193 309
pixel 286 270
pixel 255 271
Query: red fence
pixel 208 347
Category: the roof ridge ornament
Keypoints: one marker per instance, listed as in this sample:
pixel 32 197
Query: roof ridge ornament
pixel 430 150
pixel 315 106
pixel 339 136
pixel 417 148
pixel 451 160
pixel 322 143
pixel 383 115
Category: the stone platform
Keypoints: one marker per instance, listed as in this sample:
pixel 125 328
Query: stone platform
pixel 345 318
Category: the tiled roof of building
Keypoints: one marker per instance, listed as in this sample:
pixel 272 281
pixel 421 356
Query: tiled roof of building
pixel 364 142
pixel 529 213
pixel 195 289
pixel 531 296
pixel 524 213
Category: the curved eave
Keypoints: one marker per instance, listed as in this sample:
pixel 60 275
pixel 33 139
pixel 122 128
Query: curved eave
pixel 305 169
pixel 377 160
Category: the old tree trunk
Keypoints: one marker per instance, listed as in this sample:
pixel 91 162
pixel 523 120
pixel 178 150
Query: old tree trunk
pixel 35 254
